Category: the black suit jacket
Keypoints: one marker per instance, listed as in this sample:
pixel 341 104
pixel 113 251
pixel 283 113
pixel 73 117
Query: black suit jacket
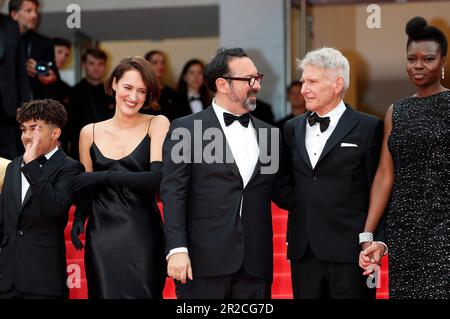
pixel 33 254
pixel 330 202
pixel 202 203
pixel 14 86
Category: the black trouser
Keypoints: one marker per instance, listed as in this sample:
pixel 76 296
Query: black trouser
pixel 313 278
pixel 239 285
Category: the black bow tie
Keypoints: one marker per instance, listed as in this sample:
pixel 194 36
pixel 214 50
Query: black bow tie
pixel 324 121
pixel 195 98
pixel 42 160
pixel 229 118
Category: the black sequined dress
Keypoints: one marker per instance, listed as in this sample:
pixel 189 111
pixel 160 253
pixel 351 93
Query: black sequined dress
pixel 418 218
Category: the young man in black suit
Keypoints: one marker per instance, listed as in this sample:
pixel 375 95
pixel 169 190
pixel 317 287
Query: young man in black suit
pixel 333 153
pixel 217 210
pixel 34 204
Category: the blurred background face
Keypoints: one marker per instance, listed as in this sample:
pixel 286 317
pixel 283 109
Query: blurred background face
pixel 295 97
pixel 424 64
pixel 94 68
pixel 158 62
pixel 27 16
pixel 194 77
pixel 61 54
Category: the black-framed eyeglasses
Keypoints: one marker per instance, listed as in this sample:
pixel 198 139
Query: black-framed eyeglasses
pixel 251 80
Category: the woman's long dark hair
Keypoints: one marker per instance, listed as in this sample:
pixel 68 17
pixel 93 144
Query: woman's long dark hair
pixel 182 88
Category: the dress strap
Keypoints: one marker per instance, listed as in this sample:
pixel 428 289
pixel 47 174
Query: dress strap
pixel 93 130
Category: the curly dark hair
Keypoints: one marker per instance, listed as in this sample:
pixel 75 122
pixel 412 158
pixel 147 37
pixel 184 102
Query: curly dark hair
pixel 49 111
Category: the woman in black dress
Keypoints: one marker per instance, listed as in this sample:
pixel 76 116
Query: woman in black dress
pixel 124 255
pixel 415 167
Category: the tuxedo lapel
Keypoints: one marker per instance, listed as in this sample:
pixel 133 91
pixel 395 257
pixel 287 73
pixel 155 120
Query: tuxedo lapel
pixel 345 125
pixel 300 133
pixel 257 126
pixel 211 120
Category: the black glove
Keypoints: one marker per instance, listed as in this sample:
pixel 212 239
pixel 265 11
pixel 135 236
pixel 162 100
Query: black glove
pixel 77 229
pixel 85 180
pixel 148 181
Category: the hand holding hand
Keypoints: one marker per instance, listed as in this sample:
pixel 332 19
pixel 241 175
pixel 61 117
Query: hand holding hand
pixel 370 257
pixel 179 267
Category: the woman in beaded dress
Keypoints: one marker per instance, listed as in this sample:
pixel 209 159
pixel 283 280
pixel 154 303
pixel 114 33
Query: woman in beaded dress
pixel 413 176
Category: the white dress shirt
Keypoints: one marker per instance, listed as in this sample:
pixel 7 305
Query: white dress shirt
pixel 244 147
pixel 25 184
pixel 315 140
pixel 196 105
pixel 243 143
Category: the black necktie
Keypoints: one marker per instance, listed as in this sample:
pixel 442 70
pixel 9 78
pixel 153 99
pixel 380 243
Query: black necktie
pixel 229 118
pixel 42 160
pixel 324 121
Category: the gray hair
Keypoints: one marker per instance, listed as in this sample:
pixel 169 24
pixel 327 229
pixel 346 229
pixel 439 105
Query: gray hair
pixel 328 58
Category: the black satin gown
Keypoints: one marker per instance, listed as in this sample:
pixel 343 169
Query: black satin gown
pixel 124 255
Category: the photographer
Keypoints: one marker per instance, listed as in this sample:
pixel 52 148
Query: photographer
pixel 41 66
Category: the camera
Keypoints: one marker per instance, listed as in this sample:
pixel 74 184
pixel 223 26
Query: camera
pixel 43 67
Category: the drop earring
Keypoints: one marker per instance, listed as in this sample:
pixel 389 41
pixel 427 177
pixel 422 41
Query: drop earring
pixel 443 73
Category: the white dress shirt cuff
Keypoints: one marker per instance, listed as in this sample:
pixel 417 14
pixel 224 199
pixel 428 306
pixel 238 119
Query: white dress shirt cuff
pixel 177 250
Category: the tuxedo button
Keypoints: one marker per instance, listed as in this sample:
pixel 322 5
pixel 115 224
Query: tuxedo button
pixel 315 178
pixel 1 277
pixel 20 233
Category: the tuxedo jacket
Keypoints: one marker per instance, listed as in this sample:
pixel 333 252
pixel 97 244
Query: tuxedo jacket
pixel 202 203
pixel 14 85
pixel 329 202
pixel 33 254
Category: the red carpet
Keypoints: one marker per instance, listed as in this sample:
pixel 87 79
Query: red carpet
pixel 281 288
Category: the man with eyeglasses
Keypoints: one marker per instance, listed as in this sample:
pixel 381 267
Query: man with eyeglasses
pixel 218 222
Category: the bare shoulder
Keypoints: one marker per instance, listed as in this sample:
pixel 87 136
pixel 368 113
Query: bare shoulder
pixel 87 132
pixel 159 123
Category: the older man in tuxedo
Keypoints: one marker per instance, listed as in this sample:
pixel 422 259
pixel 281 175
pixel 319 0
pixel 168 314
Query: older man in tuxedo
pixel 34 204
pixel 218 221
pixel 333 153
